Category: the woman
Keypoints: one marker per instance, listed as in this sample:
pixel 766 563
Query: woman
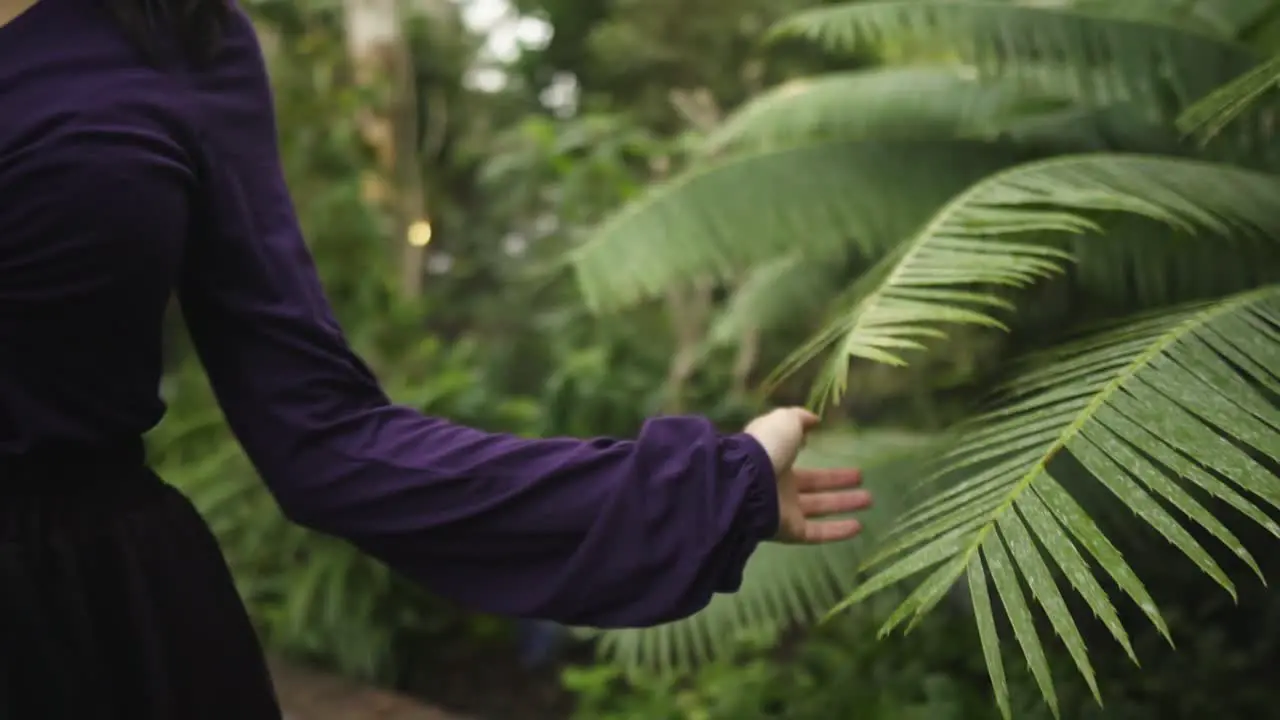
pixel 138 157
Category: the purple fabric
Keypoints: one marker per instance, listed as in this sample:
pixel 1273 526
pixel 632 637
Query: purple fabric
pixel 120 183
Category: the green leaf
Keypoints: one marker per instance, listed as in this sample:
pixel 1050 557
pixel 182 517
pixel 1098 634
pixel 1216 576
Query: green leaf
pixel 1186 468
pixel 1089 398
pixel 903 103
pixel 1015 605
pixel 1213 113
pixel 1045 589
pixel 821 201
pixel 1067 511
pixel 1042 524
pixel 1112 58
pixel 987 633
pixel 930 280
pixel 926 595
pixel 1116 478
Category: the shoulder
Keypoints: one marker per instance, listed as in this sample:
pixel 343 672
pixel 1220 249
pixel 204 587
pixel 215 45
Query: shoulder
pixel 73 84
pixel 231 94
pixel 238 64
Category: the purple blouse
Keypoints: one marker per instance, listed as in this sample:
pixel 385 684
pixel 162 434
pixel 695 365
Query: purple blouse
pixel 121 183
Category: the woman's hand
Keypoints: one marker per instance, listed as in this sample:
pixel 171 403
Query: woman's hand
pixel 804 495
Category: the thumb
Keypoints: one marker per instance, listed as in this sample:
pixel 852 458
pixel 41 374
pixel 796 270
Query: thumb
pixel 781 433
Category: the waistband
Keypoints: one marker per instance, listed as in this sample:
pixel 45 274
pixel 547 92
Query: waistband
pixel 59 470
pixel 76 490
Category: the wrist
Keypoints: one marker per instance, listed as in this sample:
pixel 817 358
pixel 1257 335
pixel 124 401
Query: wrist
pixel 763 491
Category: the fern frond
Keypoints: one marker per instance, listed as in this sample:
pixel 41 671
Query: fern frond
pixel 1209 116
pixel 1158 405
pixel 888 102
pixel 1223 19
pixel 782 585
pixel 936 278
pixel 1113 58
pixel 821 200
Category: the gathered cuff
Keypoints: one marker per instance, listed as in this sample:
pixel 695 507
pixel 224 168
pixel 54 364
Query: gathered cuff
pixel 758 515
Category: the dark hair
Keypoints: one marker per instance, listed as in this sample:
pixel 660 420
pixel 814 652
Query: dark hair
pixel 190 30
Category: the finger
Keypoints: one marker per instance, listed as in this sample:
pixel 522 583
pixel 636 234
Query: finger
pixel 813 480
pixel 808 419
pixel 833 503
pixel 825 531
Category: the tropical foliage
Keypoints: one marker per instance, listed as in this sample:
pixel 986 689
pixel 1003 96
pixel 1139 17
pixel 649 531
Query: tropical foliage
pixel 993 155
pixel 1028 274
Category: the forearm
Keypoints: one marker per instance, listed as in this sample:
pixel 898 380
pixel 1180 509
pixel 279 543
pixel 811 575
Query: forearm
pixel 604 532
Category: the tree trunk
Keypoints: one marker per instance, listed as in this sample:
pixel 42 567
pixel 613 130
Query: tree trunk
pixel 379 52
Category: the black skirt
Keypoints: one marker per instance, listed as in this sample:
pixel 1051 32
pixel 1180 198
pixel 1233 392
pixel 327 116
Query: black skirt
pixel 115 601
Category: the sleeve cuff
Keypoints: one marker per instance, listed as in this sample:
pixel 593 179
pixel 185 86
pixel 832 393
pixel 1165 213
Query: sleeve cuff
pixel 757 517
pixel 760 514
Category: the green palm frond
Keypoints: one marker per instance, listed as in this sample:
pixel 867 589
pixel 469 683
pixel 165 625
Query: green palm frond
pixel 1166 402
pixel 1234 18
pixel 1209 116
pixel 822 200
pixel 901 102
pixel 1221 18
pixel 782 585
pixel 938 277
pixel 1111 57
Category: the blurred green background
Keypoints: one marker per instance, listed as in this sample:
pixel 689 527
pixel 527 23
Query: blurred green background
pixel 638 208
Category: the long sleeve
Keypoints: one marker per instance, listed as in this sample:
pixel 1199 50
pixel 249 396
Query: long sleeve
pixel 600 532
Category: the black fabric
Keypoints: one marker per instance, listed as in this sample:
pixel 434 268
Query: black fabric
pixel 115 601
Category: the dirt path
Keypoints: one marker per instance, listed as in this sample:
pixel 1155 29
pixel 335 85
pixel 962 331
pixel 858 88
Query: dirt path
pixel 310 695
